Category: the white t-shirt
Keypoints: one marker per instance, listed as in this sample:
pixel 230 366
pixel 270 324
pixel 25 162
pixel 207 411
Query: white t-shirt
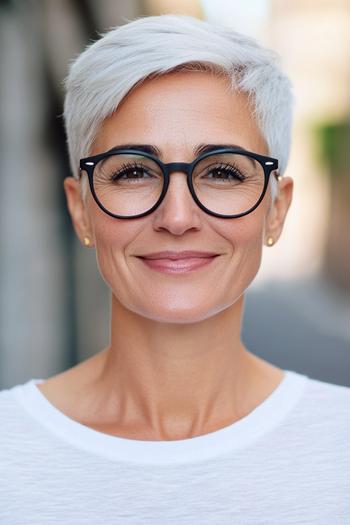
pixel 287 462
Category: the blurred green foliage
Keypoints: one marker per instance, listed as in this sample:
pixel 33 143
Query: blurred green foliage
pixel 333 145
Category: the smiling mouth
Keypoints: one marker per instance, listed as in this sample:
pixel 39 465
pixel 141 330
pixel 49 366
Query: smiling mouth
pixel 178 265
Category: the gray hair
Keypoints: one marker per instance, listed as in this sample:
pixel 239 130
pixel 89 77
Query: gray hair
pixel 111 67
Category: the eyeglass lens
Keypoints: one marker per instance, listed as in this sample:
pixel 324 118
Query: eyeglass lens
pixel 225 183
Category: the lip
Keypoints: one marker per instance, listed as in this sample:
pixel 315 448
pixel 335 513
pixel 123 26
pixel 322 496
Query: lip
pixel 174 256
pixel 185 264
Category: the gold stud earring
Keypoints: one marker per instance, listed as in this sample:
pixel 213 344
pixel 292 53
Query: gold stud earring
pixel 86 241
pixel 270 241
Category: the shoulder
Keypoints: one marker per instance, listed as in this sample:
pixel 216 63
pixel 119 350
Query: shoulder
pixel 324 410
pixel 15 419
pixel 9 401
pixel 333 396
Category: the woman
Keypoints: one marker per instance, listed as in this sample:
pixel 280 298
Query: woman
pixel 178 133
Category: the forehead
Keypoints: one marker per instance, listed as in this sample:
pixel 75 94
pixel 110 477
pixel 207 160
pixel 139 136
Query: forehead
pixel 179 110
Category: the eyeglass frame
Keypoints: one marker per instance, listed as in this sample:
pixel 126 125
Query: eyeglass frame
pixel 269 164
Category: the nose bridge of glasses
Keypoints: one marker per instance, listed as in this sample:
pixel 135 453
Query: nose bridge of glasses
pixel 182 167
pixel 178 166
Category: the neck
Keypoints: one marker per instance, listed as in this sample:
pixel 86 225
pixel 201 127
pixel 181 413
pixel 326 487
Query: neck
pixel 179 380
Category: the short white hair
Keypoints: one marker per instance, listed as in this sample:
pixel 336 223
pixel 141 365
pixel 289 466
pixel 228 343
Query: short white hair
pixel 101 76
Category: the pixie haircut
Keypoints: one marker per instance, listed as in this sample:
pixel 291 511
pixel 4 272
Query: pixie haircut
pixel 108 69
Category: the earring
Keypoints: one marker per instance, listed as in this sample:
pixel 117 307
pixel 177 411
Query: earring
pixel 270 241
pixel 86 241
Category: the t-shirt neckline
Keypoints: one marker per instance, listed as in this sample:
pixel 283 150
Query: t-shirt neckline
pixel 238 435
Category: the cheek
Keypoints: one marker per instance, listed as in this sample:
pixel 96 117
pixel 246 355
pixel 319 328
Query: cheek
pixel 244 233
pixel 112 237
pixel 245 238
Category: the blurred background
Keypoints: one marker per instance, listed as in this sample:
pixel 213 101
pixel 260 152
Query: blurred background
pixel 54 306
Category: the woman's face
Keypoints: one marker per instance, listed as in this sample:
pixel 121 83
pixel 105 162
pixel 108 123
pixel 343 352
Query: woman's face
pixel 176 113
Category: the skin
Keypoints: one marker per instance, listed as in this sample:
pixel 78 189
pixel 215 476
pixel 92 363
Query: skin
pixel 175 366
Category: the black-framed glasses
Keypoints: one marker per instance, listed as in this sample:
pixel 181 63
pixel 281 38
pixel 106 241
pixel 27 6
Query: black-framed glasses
pixel 226 182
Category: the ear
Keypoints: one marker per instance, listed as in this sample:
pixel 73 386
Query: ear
pixel 77 208
pixel 279 208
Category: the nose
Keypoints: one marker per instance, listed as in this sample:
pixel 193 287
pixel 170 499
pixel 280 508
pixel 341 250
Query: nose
pixel 178 212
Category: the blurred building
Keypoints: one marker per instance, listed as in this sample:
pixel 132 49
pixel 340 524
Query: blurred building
pixel 313 40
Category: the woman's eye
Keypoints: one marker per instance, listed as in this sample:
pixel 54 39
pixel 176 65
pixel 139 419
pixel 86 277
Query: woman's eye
pixel 130 174
pixel 225 173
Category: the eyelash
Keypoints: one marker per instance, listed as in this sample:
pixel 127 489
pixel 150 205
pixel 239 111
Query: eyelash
pixel 127 168
pixel 228 168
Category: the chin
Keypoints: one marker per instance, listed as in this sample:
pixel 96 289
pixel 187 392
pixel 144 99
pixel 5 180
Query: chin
pixel 179 314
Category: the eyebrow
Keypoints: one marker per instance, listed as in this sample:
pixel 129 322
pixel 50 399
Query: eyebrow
pixel 153 150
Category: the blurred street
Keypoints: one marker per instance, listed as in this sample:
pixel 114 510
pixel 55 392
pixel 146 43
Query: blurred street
pixel 302 325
